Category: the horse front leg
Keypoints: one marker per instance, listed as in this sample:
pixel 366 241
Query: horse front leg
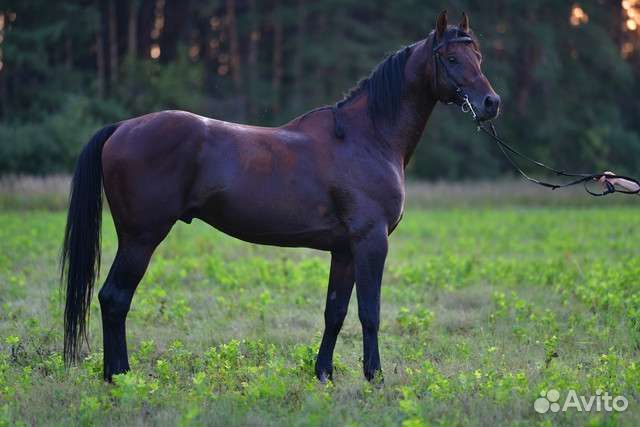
pixel 370 253
pixel 341 279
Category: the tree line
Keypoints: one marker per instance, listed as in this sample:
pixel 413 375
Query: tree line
pixel 567 72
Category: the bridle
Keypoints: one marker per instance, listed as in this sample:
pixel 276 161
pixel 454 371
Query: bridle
pixel 462 99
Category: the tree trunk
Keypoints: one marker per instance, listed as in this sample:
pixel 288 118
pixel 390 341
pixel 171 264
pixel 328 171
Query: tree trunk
pixel 144 26
pixel 3 80
pixel 252 60
pixel 297 67
pixel 4 98
pixel 232 30
pixel 132 29
pixel 68 52
pixel 113 43
pixel 320 72
pixel 175 17
pixel 277 70
pixel 100 65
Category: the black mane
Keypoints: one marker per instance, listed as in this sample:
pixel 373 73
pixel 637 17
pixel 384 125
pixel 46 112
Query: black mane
pixel 384 86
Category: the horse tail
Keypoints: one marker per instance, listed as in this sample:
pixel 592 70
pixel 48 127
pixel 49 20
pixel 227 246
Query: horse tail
pixel 80 258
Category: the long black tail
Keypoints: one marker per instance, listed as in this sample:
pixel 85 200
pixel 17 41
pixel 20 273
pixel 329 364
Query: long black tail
pixel 80 258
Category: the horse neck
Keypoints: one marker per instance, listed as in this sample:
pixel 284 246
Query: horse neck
pixel 403 134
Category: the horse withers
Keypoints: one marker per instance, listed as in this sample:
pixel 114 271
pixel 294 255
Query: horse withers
pixel 331 179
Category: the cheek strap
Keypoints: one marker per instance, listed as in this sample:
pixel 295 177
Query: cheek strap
pixel 460 97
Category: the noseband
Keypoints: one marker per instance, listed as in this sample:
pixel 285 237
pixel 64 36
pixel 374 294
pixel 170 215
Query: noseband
pixel 461 98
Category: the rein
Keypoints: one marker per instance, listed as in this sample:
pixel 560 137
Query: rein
pixel 580 178
pixel 462 99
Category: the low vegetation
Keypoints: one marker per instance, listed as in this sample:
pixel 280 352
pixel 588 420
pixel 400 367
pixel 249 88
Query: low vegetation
pixel 482 311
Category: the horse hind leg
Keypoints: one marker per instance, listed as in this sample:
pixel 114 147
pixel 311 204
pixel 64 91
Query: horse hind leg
pixel 129 265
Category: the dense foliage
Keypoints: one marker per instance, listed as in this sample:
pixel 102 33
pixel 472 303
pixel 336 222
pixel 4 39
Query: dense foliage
pixel 68 67
pixel 481 311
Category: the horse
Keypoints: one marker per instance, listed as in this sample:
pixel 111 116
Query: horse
pixel 331 179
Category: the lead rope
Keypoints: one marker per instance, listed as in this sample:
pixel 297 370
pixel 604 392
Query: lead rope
pixel 582 178
pixel 467 107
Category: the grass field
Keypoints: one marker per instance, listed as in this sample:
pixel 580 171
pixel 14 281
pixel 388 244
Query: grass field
pixel 482 310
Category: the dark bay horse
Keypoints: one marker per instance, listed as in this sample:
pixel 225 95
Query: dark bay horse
pixel 332 179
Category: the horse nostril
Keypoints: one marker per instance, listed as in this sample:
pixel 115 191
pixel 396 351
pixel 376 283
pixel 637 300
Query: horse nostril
pixel 491 103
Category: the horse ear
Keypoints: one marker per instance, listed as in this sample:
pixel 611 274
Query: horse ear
pixel 464 23
pixel 441 23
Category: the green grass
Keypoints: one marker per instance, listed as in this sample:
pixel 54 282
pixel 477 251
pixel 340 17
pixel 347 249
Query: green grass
pixel 481 311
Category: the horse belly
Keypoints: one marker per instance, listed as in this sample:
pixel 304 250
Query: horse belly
pixel 280 218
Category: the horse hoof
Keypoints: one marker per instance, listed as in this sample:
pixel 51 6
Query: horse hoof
pixel 110 372
pixel 375 378
pixel 324 378
pixel 324 375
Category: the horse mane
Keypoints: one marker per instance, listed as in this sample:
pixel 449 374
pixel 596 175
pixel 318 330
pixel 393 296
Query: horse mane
pixel 384 87
pixel 386 84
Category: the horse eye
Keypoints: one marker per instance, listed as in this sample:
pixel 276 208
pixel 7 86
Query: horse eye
pixel 452 59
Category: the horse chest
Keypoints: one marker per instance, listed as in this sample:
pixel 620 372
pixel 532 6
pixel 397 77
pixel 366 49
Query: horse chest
pixel 389 200
pixel 384 195
pixel 390 196
pixel 394 208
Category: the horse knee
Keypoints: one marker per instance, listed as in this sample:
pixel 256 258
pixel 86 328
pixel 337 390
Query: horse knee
pixel 114 303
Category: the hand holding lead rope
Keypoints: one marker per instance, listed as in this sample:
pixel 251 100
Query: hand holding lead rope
pixel 609 180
